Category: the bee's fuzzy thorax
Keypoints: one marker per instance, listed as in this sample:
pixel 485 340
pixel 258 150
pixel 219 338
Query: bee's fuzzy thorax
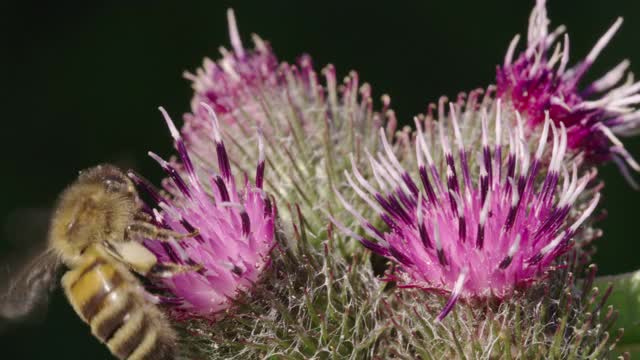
pixel 87 213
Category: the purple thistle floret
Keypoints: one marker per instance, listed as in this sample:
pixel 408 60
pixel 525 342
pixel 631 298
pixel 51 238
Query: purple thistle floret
pixel 235 228
pixel 473 236
pixel 538 80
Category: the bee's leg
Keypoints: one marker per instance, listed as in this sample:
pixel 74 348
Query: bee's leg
pixel 143 216
pixel 167 269
pixel 142 261
pixel 145 230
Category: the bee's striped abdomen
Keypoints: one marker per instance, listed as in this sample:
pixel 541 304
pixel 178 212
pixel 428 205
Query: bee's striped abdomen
pixel 107 297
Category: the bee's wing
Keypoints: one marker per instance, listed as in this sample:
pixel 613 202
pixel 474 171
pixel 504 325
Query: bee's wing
pixel 26 292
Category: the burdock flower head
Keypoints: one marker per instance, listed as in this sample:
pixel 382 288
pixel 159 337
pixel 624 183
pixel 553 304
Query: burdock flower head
pixel 235 227
pixel 484 225
pixel 538 80
pixel 232 86
pixel 310 125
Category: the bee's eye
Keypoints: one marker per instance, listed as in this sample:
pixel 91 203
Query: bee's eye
pixel 114 183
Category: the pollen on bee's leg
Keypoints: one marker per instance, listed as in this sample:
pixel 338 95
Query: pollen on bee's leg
pixel 167 269
pixel 145 230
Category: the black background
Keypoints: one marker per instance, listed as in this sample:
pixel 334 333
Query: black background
pixel 80 84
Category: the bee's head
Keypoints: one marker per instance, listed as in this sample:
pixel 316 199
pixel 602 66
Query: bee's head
pixel 111 177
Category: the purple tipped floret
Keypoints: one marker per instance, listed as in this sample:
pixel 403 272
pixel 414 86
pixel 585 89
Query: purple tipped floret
pixel 538 80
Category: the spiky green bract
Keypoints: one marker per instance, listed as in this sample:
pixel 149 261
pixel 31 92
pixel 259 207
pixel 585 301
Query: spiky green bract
pixel 311 123
pixel 560 319
pixel 313 304
pixel 625 297
pixel 321 307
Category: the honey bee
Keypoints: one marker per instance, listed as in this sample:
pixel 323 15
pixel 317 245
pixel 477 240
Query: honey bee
pixel 96 232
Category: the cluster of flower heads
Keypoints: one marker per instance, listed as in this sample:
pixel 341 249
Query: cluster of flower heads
pixel 476 203
pixel 538 81
pixel 235 228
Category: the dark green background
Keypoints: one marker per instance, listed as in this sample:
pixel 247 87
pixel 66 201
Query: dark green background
pixel 80 85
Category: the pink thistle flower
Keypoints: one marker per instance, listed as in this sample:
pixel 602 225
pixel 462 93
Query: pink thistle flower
pixel 311 122
pixel 235 227
pixel 251 88
pixel 473 236
pixel 539 80
pixel 232 85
